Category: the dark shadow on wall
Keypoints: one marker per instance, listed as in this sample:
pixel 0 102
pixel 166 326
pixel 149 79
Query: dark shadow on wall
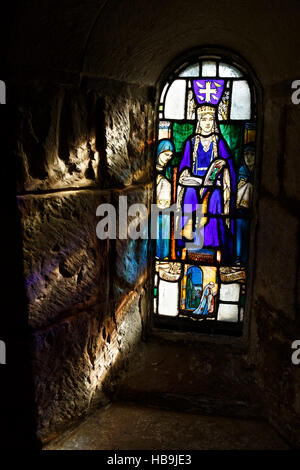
pixel 17 427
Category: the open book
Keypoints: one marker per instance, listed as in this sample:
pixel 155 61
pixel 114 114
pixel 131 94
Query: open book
pixel 213 171
pixel 211 176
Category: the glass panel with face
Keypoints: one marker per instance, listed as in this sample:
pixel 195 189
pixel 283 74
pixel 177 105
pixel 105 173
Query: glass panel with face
pixel 206 123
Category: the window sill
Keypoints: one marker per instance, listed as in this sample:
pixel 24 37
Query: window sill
pixel 174 330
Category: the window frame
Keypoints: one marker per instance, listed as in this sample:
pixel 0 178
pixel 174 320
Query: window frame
pixel 214 329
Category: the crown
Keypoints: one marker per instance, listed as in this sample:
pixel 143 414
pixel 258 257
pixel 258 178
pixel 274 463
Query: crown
pixel 205 110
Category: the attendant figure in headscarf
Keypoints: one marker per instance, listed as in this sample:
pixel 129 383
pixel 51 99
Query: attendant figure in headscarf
pixel 207 177
pixel 206 306
pixel 243 203
pixel 165 152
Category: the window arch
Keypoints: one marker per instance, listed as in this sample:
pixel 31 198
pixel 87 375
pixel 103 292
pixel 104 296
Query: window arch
pixel 204 181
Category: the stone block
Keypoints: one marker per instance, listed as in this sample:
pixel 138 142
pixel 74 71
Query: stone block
pixel 64 370
pixel 78 362
pixel 298 292
pixel 292 153
pixel 275 274
pixel 129 138
pixel 130 256
pixel 272 146
pixel 65 264
pixel 55 139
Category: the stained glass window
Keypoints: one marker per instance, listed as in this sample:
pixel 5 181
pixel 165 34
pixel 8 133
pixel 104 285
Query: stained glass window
pixel 205 159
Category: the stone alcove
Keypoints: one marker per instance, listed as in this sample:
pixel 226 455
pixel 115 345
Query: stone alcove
pixel 82 105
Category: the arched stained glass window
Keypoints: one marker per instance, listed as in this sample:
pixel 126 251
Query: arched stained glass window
pixel 205 160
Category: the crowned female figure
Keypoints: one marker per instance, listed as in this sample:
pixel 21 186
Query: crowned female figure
pixel 207 176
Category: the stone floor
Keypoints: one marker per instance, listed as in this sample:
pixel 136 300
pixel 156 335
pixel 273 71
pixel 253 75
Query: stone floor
pixel 122 426
pixel 178 395
pixel 206 379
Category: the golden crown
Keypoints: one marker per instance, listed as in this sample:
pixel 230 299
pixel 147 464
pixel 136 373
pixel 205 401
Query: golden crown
pixel 205 110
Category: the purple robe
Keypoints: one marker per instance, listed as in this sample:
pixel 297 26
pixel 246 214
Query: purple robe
pixel 216 234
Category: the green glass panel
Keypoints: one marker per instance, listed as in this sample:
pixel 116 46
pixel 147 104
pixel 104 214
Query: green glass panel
pixel 234 136
pixel 180 133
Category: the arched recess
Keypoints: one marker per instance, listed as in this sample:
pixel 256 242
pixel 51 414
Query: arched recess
pixel 209 112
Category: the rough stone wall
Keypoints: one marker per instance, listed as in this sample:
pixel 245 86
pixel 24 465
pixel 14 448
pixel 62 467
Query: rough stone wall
pixel 60 148
pixel 275 321
pixel 76 148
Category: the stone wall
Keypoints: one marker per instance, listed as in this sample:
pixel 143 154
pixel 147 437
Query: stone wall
pixel 275 321
pixel 76 148
pixel 74 133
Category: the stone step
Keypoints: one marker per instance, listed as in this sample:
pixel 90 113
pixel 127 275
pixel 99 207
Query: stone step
pixel 124 427
pixel 214 406
pixel 186 378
